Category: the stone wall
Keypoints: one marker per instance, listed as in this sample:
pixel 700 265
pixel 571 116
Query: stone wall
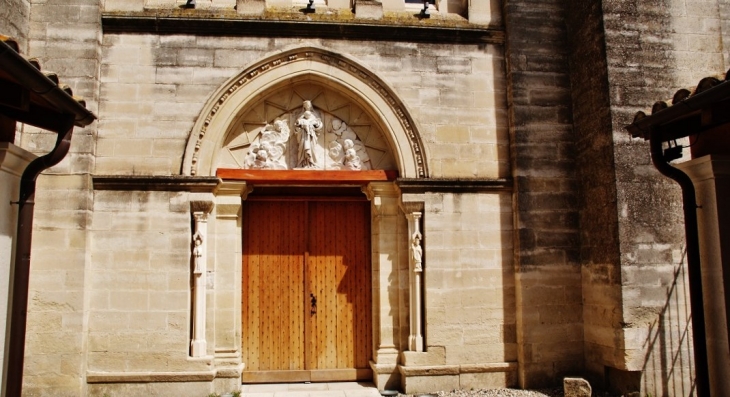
pixel 579 271
pixel 542 149
pixel 139 283
pixel 15 21
pixel 652 50
pixel 627 56
pixel 65 36
pixel 154 87
pixel 56 339
pixel 601 273
pixel 469 285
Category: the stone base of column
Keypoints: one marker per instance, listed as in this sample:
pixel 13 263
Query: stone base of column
pixel 385 376
pixel 415 343
pixel 198 348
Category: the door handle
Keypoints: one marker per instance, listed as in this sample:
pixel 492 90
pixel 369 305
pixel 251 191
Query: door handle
pixel 313 301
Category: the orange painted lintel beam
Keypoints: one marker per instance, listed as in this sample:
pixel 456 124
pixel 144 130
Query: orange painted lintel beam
pixel 306 177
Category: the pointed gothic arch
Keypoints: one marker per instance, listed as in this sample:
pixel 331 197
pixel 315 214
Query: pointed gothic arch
pixel 318 67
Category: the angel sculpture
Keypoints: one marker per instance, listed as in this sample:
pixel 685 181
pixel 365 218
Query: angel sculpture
pixel 268 151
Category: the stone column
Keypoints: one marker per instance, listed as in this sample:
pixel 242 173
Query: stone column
pixel 200 210
pixel 385 282
pixel 13 161
pixel 711 177
pixel 415 266
pixel 226 280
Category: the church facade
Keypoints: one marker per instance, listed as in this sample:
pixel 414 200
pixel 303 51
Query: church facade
pixel 348 190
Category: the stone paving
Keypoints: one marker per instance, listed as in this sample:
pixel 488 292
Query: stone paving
pixel 337 389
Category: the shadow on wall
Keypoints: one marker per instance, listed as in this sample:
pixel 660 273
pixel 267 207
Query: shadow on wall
pixel 668 345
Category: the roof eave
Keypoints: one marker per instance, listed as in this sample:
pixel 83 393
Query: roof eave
pixel 642 125
pixel 27 75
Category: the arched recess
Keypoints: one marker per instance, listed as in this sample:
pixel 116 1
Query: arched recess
pixel 320 67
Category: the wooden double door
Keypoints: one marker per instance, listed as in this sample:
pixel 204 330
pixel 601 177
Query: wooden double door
pixel 306 290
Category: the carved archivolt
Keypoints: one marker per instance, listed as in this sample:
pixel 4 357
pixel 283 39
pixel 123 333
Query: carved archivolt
pixel 337 144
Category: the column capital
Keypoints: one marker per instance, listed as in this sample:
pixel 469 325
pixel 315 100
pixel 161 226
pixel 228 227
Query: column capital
pixel 412 207
pixel 380 189
pixel 201 207
pixel 233 188
pixel 706 167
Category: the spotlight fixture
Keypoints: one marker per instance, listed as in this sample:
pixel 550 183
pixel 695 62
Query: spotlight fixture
pixel 189 4
pixel 424 12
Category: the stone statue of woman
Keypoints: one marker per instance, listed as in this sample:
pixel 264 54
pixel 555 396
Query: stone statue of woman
pixel 417 252
pixel 197 252
pixel 307 128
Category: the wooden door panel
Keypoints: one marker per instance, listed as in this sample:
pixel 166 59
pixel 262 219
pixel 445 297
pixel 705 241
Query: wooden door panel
pixel 338 273
pixel 273 270
pixel 292 249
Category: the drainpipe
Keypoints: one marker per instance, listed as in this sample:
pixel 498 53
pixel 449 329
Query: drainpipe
pixel 20 273
pixel 689 202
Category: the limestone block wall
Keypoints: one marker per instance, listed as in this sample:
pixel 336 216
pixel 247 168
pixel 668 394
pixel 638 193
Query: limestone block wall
pixel 600 262
pixel 55 343
pixel 128 251
pixel 153 88
pixel 652 49
pixel 15 21
pixel 139 299
pixel 65 37
pixel 457 95
pixel 627 56
pixel 469 284
pixel 542 151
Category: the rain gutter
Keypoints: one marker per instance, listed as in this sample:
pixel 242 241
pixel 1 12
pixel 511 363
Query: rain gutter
pixel 689 204
pixel 656 128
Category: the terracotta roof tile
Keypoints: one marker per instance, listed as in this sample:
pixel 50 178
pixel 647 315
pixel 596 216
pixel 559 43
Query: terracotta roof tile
pixel 51 92
pixel 683 94
pixel 684 102
pixel 34 61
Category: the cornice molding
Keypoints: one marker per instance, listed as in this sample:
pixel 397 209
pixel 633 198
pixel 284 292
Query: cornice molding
pixel 170 183
pixel 211 24
pixel 448 185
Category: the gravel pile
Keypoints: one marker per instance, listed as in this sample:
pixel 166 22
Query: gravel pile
pixel 555 392
pixel 493 393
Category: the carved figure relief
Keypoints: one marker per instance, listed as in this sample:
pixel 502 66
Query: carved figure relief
pixel 308 127
pixel 267 153
pixel 349 152
pixel 320 141
pixel 238 136
pixel 197 252
pixel 417 252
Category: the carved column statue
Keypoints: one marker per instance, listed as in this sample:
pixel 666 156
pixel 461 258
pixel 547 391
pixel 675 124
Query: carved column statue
pixel 415 337
pixel 200 211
